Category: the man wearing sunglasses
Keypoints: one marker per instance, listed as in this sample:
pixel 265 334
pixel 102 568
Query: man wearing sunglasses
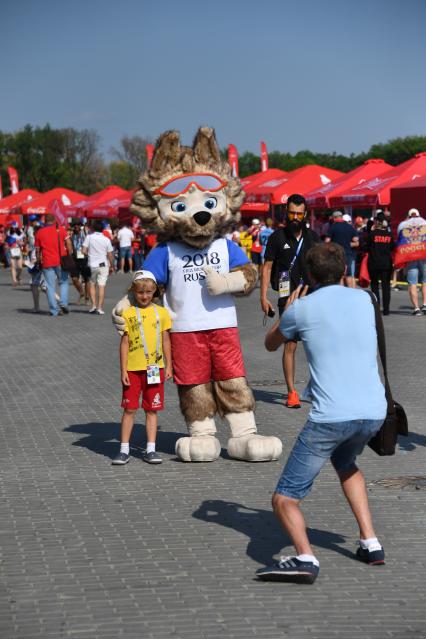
pixel 284 268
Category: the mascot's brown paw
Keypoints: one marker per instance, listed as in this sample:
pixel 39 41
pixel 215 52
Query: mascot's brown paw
pixel 255 448
pixel 204 448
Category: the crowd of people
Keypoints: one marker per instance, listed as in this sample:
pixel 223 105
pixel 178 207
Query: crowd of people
pixel 361 237
pixel 94 259
pixel 42 249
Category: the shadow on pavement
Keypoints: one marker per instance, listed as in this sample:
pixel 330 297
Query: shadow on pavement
pixel 103 437
pixel 412 441
pixel 266 537
pixel 30 311
pixel 268 397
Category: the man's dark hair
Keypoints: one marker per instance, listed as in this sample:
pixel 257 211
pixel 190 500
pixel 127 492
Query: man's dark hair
pixel 326 263
pixel 297 200
pixel 98 227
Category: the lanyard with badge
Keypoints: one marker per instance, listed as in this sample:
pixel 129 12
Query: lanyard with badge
pixel 152 370
pixel 78 243
pixel 284 279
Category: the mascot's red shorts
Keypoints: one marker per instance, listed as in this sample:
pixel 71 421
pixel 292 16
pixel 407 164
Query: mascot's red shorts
pixel 202 356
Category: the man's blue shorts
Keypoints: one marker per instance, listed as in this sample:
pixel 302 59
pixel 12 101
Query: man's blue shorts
pixel 416 272
pixel 317 442
pixel 350 267
pixel 125 252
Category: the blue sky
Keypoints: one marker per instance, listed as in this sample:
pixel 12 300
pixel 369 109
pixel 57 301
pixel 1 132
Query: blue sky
pixel 324 75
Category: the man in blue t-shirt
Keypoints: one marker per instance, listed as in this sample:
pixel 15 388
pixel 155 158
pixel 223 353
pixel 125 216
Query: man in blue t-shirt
pixel 339 425
pixel 342 232
pixel 264 235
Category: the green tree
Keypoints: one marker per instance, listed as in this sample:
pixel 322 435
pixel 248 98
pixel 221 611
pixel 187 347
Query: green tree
pixel 399 149
pixel 122 174
pixel 133 151
pixel 46 158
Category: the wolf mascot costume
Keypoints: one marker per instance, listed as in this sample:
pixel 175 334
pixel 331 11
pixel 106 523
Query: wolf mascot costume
pixel 189 197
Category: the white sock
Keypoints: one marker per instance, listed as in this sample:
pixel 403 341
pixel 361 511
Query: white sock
pixel 310 558
pixel 150 447
pixel 125 448
pixel 370 544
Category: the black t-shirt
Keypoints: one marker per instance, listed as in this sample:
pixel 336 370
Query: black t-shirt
pixel 380 245
pixel 342 233
pixel 282 247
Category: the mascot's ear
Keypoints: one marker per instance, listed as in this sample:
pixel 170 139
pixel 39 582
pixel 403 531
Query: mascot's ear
pixel 206 150
pixel 166 154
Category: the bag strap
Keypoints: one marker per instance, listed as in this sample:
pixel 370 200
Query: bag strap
pixel 381 342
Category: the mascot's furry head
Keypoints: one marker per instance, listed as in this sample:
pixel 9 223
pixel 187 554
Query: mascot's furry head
pixel 188 193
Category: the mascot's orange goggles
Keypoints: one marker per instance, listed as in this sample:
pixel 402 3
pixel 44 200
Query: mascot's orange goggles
pixel 182 183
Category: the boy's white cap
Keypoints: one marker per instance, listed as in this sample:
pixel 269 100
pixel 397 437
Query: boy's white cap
pixel 143 275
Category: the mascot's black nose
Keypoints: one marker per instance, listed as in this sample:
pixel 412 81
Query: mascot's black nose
pixel 202 217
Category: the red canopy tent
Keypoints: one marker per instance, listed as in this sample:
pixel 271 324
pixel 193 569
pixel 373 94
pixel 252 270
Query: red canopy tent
pixel 110 207
pixel 54 202
pixel 376 192
pixel 405 197
pixel 78 209
pixel 302 180
pixel 42 204
pixel 270 176
pixel 7 219
pixel 321 198
pixel 10 204
pixel 263 176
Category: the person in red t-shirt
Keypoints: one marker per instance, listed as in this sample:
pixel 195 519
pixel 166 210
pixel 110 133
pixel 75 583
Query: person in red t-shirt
pixel 52 243
pixel 150 242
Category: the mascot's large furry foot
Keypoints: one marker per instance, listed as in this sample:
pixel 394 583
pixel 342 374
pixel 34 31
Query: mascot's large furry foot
pixel 246 444
pixel 255 448
pixel 203 448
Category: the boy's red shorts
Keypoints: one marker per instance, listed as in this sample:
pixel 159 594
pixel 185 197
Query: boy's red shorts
pixel 202 356
pixel 152 394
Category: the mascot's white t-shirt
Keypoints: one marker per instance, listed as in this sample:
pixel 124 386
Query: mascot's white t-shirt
pixel 180 268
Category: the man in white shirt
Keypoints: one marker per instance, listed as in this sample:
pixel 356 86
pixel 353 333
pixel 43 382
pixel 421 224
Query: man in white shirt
pixel 99 250
pixel 125 238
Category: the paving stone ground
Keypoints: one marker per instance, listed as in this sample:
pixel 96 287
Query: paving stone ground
pixel 92 550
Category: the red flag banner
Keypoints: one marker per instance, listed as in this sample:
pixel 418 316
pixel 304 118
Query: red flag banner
pixel 149 153
pixel 13 177
pixel 263 157
pixel 233 158
pixel 58 212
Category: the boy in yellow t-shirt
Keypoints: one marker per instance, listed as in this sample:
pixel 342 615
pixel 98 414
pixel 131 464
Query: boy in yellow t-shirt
pixel 143 370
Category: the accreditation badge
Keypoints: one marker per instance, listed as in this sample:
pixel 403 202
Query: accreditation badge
pixel 284 284
pixel 153 374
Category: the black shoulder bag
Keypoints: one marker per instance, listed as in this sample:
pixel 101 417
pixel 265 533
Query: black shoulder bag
pixel 384 441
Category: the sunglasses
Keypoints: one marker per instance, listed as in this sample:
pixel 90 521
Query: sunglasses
pixel 182 183
pixel 292 214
